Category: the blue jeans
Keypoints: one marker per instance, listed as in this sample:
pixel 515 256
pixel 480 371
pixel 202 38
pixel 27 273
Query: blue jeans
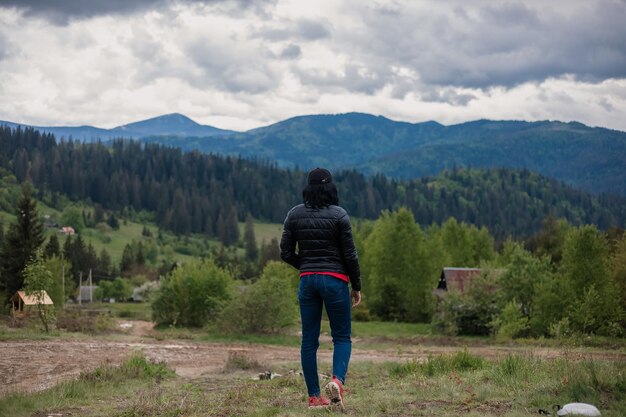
pixel 317 290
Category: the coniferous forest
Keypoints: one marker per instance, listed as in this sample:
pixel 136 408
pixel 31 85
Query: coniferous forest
pixel 203 193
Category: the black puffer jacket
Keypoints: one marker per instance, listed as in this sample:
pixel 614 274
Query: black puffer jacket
pixel 324 239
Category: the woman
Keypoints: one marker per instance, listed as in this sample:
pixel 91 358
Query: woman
pixel 328 261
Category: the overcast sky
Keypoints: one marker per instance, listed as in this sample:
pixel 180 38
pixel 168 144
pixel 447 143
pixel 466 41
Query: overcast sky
pixel 247 63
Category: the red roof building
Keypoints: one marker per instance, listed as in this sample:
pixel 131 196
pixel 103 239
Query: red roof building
pixel 456 278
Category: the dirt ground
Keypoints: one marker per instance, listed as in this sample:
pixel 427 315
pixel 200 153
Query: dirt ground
pixel 35 365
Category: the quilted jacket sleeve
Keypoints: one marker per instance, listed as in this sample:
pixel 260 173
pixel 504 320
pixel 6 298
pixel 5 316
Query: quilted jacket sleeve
pixel 288 245
pixel 349 254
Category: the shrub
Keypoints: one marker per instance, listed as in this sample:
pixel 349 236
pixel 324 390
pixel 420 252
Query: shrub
pixel 146 290
pixel 79 321
pixel 267 306
pixel 361 313
pixel 473 312
pixel 135 367
pixel 438 365
pixel 119 289
pixel 240 360
pixel 511 323
pixel 192 295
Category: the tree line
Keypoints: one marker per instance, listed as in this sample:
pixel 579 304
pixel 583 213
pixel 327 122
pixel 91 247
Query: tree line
pixel 563 280
pixel 75 259
pixel 203 193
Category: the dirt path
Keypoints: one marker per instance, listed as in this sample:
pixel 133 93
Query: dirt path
pixel 28 366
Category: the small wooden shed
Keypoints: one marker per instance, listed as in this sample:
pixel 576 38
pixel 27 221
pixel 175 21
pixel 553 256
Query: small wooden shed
pixel 22 303
pixel 457 278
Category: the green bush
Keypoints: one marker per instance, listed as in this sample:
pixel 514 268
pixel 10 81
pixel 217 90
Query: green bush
pixel 192 295
pixel 438 365
pixel 511 322
pixel 267 306
pixel 135 367
pixel 120 289
pixel 83 322
pixel 361 313
pixel 472 312
pixel 512 366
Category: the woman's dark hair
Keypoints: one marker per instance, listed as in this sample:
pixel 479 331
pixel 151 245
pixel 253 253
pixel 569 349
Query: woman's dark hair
pixel 320 195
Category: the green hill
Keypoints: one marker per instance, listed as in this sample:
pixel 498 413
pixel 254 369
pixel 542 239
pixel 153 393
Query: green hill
pixel 193 193
pixel 591 159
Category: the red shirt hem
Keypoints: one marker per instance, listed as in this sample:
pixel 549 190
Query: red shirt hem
pixel 342 277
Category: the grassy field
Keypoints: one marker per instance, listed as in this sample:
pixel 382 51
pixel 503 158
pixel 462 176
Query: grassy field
pixel 456 382
pixel 172 248
pixel 264 231
pixel 450 385
pixel 181 249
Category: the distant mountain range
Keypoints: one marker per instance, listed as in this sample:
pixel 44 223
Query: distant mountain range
pixel 170 124
pixel 592 159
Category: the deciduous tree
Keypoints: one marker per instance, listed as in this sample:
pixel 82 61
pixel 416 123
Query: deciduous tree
pixel 38 281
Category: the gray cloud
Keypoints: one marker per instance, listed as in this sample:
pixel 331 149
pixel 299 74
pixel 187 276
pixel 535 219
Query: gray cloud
pixel 302 29
pixel 4 46
pixel 446 95
pixel 605 104
pixel 62 11
pixel 370 80
pixel 355 78
pixel 292 51
pixel 311 30
pixel 230 69
pixel 500 44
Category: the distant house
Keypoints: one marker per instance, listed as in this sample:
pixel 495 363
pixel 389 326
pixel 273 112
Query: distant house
pixel 455 278
pixel 22 303
pixel 67 230
pixel 87 293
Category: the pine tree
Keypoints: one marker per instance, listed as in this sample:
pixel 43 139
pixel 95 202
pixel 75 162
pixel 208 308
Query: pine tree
pixel 128 259
pixel 78 258
pixel 98 215
pixel 67 248
pixel 91 258
pixel 249 239
pixel 227 227
pixel 268 252
pixel 104 264
pixel 20 244
pixel 113 222
pixel 53 248
pixel 140 258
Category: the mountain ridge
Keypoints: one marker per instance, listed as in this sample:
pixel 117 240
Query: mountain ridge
pixel 158 125
pixel 195 193
pixel 588 158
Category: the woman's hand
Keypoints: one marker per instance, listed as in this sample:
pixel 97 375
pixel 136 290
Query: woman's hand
pixel 356 298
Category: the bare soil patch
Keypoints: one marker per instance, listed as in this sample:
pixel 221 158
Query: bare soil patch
pixel 35 365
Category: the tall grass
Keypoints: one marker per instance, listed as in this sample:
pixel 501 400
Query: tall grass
pixel 89 387
pixel 446 386
pixel 521 381
pixel 460 362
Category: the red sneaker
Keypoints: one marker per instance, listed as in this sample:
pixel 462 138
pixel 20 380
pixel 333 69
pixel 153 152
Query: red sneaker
pixel 334 390
pixel 318 402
